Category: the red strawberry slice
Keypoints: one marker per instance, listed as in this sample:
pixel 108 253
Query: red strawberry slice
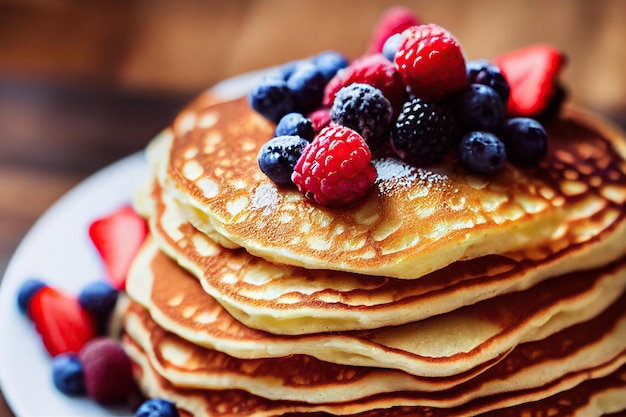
pixel 532 73
pixel 395 20
pixel 117 238
pixel 64 326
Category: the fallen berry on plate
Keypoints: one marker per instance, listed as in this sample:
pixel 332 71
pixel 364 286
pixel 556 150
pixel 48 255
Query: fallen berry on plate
pixel 99 298
pixel 64 326
pixel 117 238
pixel 26 291
pixel 107 370
pixel 157 407
pixel 67 374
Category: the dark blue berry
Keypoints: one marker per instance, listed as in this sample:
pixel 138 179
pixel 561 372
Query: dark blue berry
pixel 482 152
pixel 423 132
pixel 364 109
pixel 391 45
pixel 278 157
pixel 306 86
pixel 272 98
pixel 525 140
pixel 26 292
pixel 295 124
pixel 481 108
pixel 157 407
pixel 329 62
pixel 483 72
pixel 67 374
pixel 99 298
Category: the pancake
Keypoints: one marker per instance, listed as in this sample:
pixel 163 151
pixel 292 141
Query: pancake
pixel 416 221
pixel 601 392
pixel 291 300
pixel 301 378
pixel 444 345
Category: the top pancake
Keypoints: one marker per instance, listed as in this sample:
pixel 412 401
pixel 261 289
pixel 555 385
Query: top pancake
pixel 414 221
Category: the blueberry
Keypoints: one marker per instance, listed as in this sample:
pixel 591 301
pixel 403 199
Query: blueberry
pixel 67 374
pixel 157 407
pixel 26 292
pixel 278 157
pixel 483 72
pixel 482 152
pixel 481 108
pixel 272 98
pixel 391 45
pixel 329 62
pixel 364 109
pixel 423 132
pixel 306 87
pixel 295 124
pixel 525 140
pixel 99 298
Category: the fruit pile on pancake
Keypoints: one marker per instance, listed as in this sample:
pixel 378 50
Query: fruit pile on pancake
pixel 441 291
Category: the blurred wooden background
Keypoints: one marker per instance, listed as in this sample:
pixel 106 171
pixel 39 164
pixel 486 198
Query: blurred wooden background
pixel 86 82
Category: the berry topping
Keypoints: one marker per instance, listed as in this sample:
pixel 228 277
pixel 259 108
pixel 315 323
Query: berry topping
pixel 335 169
pixel 424 132
pixel 320 118
pixel 395 20
pixel 295 124
pixel 375 70
pixel 67 374
pixel 525 140
pixel 272 98
pixel 391 46
pixel 278 157
pixel 431 62
pixel 108 371
pixel 364 109
pixel 306 86
pixel 329 63
pixel 481 71
pixel 532 73
pixel 482 152
pixel 117 238
pixel 99 298
pixel 64 326
pixel 481 108
pixel 157 407
pixel 26 292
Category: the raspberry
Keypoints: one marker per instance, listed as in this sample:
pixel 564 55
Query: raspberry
pixel 320 118
pixel 424 132
pixel 375 70
pixel 395 20
pixel 366 110
pixel 431 62
pixel 335 169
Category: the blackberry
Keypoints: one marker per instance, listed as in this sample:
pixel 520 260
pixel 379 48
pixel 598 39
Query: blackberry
pixel 525 140
pixel 272 98
pixel 364 109
pixel 423 132
pixel 482 152
pixel 480 108
pixel 279 155
pixel 483 72
pixel 295 124
pixel 306 87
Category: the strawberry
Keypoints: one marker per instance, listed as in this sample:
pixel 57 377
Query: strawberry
pixel 375 70
pixel 117 238
pixel 64 326
pixel 395 20
pixel 532 74
pixel 431 62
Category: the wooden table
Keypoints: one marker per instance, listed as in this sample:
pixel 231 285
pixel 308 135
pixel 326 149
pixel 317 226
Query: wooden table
pixel 83 84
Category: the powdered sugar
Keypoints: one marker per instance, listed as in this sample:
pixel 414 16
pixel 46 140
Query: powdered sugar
pixel 394 174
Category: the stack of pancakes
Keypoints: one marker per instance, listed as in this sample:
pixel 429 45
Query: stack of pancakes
pixel 442 293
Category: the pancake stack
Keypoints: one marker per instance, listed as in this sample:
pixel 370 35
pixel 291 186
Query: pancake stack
pixel 442 293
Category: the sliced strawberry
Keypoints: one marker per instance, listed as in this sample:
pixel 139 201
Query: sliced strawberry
pixel 395 20
pixel 64 326
pixel 532 73
pixel 117 238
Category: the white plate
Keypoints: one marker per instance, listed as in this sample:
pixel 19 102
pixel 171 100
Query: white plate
pixel 58 250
